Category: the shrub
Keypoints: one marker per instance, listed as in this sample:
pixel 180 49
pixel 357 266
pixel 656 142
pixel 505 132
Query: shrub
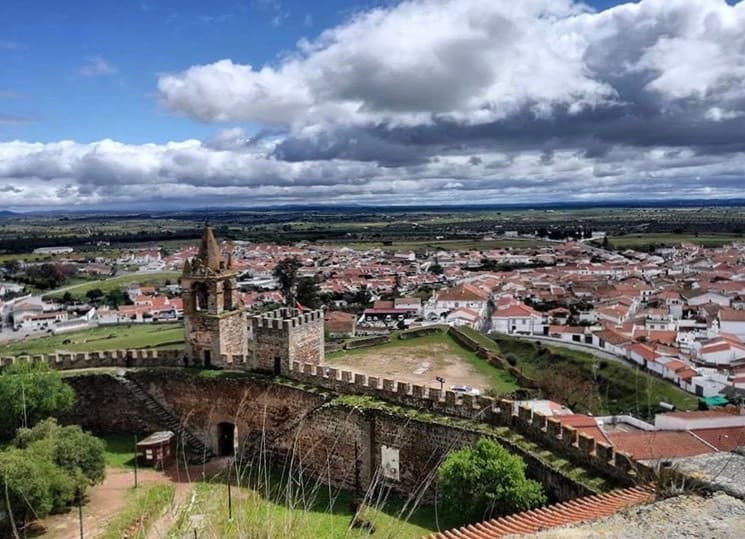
pixel 486 481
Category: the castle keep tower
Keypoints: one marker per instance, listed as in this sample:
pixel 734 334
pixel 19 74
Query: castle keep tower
pixel 215 328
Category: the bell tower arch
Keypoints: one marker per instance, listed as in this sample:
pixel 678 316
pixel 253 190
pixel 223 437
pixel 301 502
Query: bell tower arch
pixel 215 327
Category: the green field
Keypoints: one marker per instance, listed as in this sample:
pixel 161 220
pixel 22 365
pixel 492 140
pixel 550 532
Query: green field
pixel 121 282
pixel 643 241
pixel 161 335
pixel 588 384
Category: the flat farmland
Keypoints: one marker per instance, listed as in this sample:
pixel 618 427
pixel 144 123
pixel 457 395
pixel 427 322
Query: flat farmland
pixel 446 245
pixel 421 360
pixel 642 241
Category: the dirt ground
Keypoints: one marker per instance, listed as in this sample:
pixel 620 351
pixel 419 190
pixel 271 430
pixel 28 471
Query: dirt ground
pixel 418 364
pixel 107 499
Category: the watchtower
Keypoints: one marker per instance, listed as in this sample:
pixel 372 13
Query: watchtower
pixel 286 335
pixel 215 327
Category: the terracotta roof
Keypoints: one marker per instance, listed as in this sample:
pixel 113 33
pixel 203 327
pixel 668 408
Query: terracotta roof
pixel 654 445
pixel 463 292
pixel 731 315
pixel 516 311
pixel 560 514
pixel 724 438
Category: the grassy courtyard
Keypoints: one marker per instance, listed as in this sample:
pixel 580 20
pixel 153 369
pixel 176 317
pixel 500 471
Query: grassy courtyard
pixel 161 335
pixel 421 360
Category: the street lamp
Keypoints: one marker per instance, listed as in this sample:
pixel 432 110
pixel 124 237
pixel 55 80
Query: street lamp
pixel 441 380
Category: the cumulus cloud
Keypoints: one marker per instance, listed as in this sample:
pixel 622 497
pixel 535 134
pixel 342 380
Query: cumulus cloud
pixel 442 101
pixel 236 169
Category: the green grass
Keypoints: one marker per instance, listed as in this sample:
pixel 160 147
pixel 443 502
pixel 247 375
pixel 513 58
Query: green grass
pixel 643 241
pixel 589 384
pixel 300 509
pixel 499 381
pixel 161 335
pixel 119 450
pixel 121 282
pixel 144 505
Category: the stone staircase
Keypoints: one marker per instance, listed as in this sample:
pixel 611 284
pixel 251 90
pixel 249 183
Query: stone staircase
pixel 196 450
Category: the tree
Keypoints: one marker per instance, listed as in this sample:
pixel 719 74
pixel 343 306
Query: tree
pixel 30 393
pixel 286 273
pixel 436 269
pixel 81 455
pixel 47 467
pixel 307 293
pixel 116 297
pixel 486 481
pixel 94 294
pixel 11 266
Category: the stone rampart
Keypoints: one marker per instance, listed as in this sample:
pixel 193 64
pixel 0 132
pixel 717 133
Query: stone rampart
pixel 546 431
pixel 107 358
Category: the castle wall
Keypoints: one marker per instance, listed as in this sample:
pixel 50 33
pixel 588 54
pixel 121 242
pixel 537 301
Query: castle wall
pixel 299 429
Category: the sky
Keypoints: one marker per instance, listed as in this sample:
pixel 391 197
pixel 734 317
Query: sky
pixel 129 104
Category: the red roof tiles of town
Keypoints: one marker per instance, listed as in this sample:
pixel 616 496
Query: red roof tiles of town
pixel 655 445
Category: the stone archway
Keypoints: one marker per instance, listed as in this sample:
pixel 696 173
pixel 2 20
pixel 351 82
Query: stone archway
pixel 225 439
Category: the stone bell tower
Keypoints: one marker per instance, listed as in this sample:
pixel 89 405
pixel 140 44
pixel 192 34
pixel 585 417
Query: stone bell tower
pixel 215 327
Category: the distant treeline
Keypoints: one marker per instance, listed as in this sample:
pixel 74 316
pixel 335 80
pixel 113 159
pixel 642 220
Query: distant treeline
pixel 30 242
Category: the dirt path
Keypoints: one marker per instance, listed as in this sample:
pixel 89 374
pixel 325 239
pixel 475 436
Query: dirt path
pixel 109 498
pixel 414 364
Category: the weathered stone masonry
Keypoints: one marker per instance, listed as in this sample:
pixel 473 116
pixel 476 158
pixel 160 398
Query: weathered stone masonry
pixel 308 429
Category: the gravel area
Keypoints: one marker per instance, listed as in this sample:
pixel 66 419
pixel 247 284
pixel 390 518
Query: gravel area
pixel 718 517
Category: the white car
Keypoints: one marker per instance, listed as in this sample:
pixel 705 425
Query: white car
pixel 465 390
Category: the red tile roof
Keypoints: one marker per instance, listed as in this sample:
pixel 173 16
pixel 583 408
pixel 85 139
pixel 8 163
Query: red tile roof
pixel 560 514
pixel 724 438
pixel 654 445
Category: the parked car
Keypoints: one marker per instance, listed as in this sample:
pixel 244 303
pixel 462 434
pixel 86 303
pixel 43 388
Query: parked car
pixel 465 390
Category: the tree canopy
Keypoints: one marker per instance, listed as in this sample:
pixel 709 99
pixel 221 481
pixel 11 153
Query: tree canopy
pixel 307 293
pixel 286 273
pixel 47 467
pixel 30 393
pixel 486 481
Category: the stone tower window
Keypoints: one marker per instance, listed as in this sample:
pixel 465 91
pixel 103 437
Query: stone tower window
pixel 228 304
pixel 199 292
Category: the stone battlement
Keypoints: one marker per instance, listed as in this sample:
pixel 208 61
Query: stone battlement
pixel 547 431
pixel 285 318
pixel 107 358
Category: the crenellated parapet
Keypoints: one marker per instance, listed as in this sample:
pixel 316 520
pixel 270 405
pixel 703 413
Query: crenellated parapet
pixel 544 430
pixel 107 358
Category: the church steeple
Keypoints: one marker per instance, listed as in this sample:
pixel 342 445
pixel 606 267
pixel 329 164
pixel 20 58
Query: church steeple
pixel 209 251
